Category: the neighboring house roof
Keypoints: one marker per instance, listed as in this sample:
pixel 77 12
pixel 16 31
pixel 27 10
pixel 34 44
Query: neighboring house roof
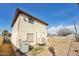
pixel 18 11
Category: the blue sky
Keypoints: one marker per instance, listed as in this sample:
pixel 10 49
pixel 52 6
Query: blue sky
pixel 53 14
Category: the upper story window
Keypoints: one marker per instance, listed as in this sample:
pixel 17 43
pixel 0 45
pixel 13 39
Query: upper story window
pixel 25 20
pixel 43 32
pixel 31 20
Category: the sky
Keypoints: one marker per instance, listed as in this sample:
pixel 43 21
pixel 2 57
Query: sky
pixel 53 14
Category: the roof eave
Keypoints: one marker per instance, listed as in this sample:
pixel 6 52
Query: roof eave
pixel 18 11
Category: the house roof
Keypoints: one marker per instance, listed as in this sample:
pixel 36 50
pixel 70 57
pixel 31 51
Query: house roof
pixel 18 11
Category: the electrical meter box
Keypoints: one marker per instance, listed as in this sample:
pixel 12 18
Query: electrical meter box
pixel 24 46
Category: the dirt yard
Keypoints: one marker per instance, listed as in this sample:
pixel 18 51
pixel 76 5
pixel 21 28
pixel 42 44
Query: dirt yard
pixel 60 46
pixel 56 46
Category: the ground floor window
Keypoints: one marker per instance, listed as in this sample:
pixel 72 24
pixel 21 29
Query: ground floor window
pixel 30 37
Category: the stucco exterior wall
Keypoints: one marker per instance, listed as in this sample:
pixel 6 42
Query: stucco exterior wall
pixel 21 28
pixel 39 30
pixel 15 33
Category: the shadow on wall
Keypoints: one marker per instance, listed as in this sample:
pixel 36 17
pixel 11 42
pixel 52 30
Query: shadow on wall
pixel 18 51
pixel 51 49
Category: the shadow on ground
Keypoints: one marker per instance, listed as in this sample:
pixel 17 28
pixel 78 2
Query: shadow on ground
pixel 51 49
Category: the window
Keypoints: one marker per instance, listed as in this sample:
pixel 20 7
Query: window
pixel 43 32
pixel 30 37
pixel 25 20
pixel 31 20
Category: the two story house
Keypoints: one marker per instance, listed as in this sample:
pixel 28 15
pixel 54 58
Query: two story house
pixel 26 27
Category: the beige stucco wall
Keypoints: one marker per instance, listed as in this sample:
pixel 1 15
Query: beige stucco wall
pixel 39 30
pixel 36 28
pixel 15 33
